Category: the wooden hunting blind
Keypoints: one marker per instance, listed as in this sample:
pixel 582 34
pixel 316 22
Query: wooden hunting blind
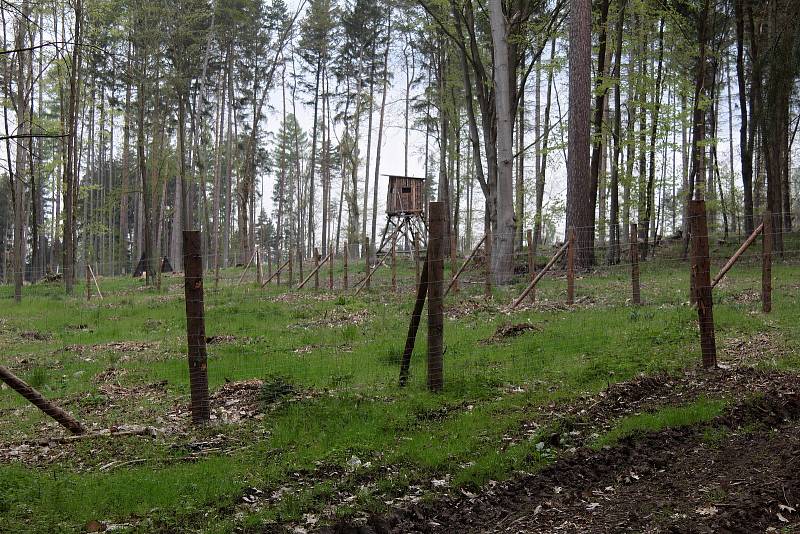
pixel 405 207
pixel 405 195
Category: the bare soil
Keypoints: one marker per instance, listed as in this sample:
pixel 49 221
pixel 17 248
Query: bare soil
pixel 737 473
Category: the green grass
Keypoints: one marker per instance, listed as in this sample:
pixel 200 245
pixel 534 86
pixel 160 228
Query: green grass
pixel 340 355
pixel 699 411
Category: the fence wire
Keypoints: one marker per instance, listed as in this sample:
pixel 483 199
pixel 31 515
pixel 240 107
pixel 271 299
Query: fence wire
pixel 122 357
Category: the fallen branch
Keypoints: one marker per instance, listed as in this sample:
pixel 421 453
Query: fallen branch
pixel 36 398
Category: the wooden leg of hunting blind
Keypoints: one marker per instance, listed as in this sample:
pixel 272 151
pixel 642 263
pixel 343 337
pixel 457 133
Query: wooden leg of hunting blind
pixel 487 239
pixel 413 325
pixel 701 266
pixel 634 245
pixel 88 284
pixel 766 264
pixel 571 266
pixel 531 262
pixel 196 327
pixel 344 265
pixel 436 252
pixel 36 398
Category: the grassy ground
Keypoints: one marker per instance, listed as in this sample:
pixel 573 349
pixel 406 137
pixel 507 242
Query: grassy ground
pixel 325 432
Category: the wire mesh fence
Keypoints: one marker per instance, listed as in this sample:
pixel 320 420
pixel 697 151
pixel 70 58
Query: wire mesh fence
pixel 268 337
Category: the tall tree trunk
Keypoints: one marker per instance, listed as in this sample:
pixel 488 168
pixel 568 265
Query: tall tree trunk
pixel 226 232
pixel 579 190
pixel 380 132
pixel 503 234
pixel 614 233
pixel 644 225
pixel 70 174
pixel 745 130
pixel 599 110
pixel 542 170
pixel 313 166
pixel 369 141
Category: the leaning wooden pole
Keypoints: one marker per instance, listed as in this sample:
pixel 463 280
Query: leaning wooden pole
pixel 413 325
pixel 96 285
pixel 276 273
pixel 36 398
pixel 731 262
pixel 464 265
pixel 246 268
pixel 540 275
pixel 196 327
pixel 317 267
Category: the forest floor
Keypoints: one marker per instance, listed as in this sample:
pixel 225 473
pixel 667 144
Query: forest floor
pixel 587 418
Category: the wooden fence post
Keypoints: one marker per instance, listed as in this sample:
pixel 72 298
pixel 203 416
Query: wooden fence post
pixel 488 267
pixel 346 258
pixel 291 267
pixel 330 268
pixel 634 246
pixel 196 327
pixel 36 398
pixel 259 274
pixel 531 262
pixel 269 266
pixel 366 262
pixel 454 262
pixel 158 275
pixel 316 268
pixel 701 266
pixel 88 284
pixel 766 264
pixel 417 258
pixel 571 266
pixel 436 249
pixel 299 263
pixel 394 263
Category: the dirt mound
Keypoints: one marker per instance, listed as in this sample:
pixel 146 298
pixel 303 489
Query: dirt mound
pixel 506 331
pixel 676 480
